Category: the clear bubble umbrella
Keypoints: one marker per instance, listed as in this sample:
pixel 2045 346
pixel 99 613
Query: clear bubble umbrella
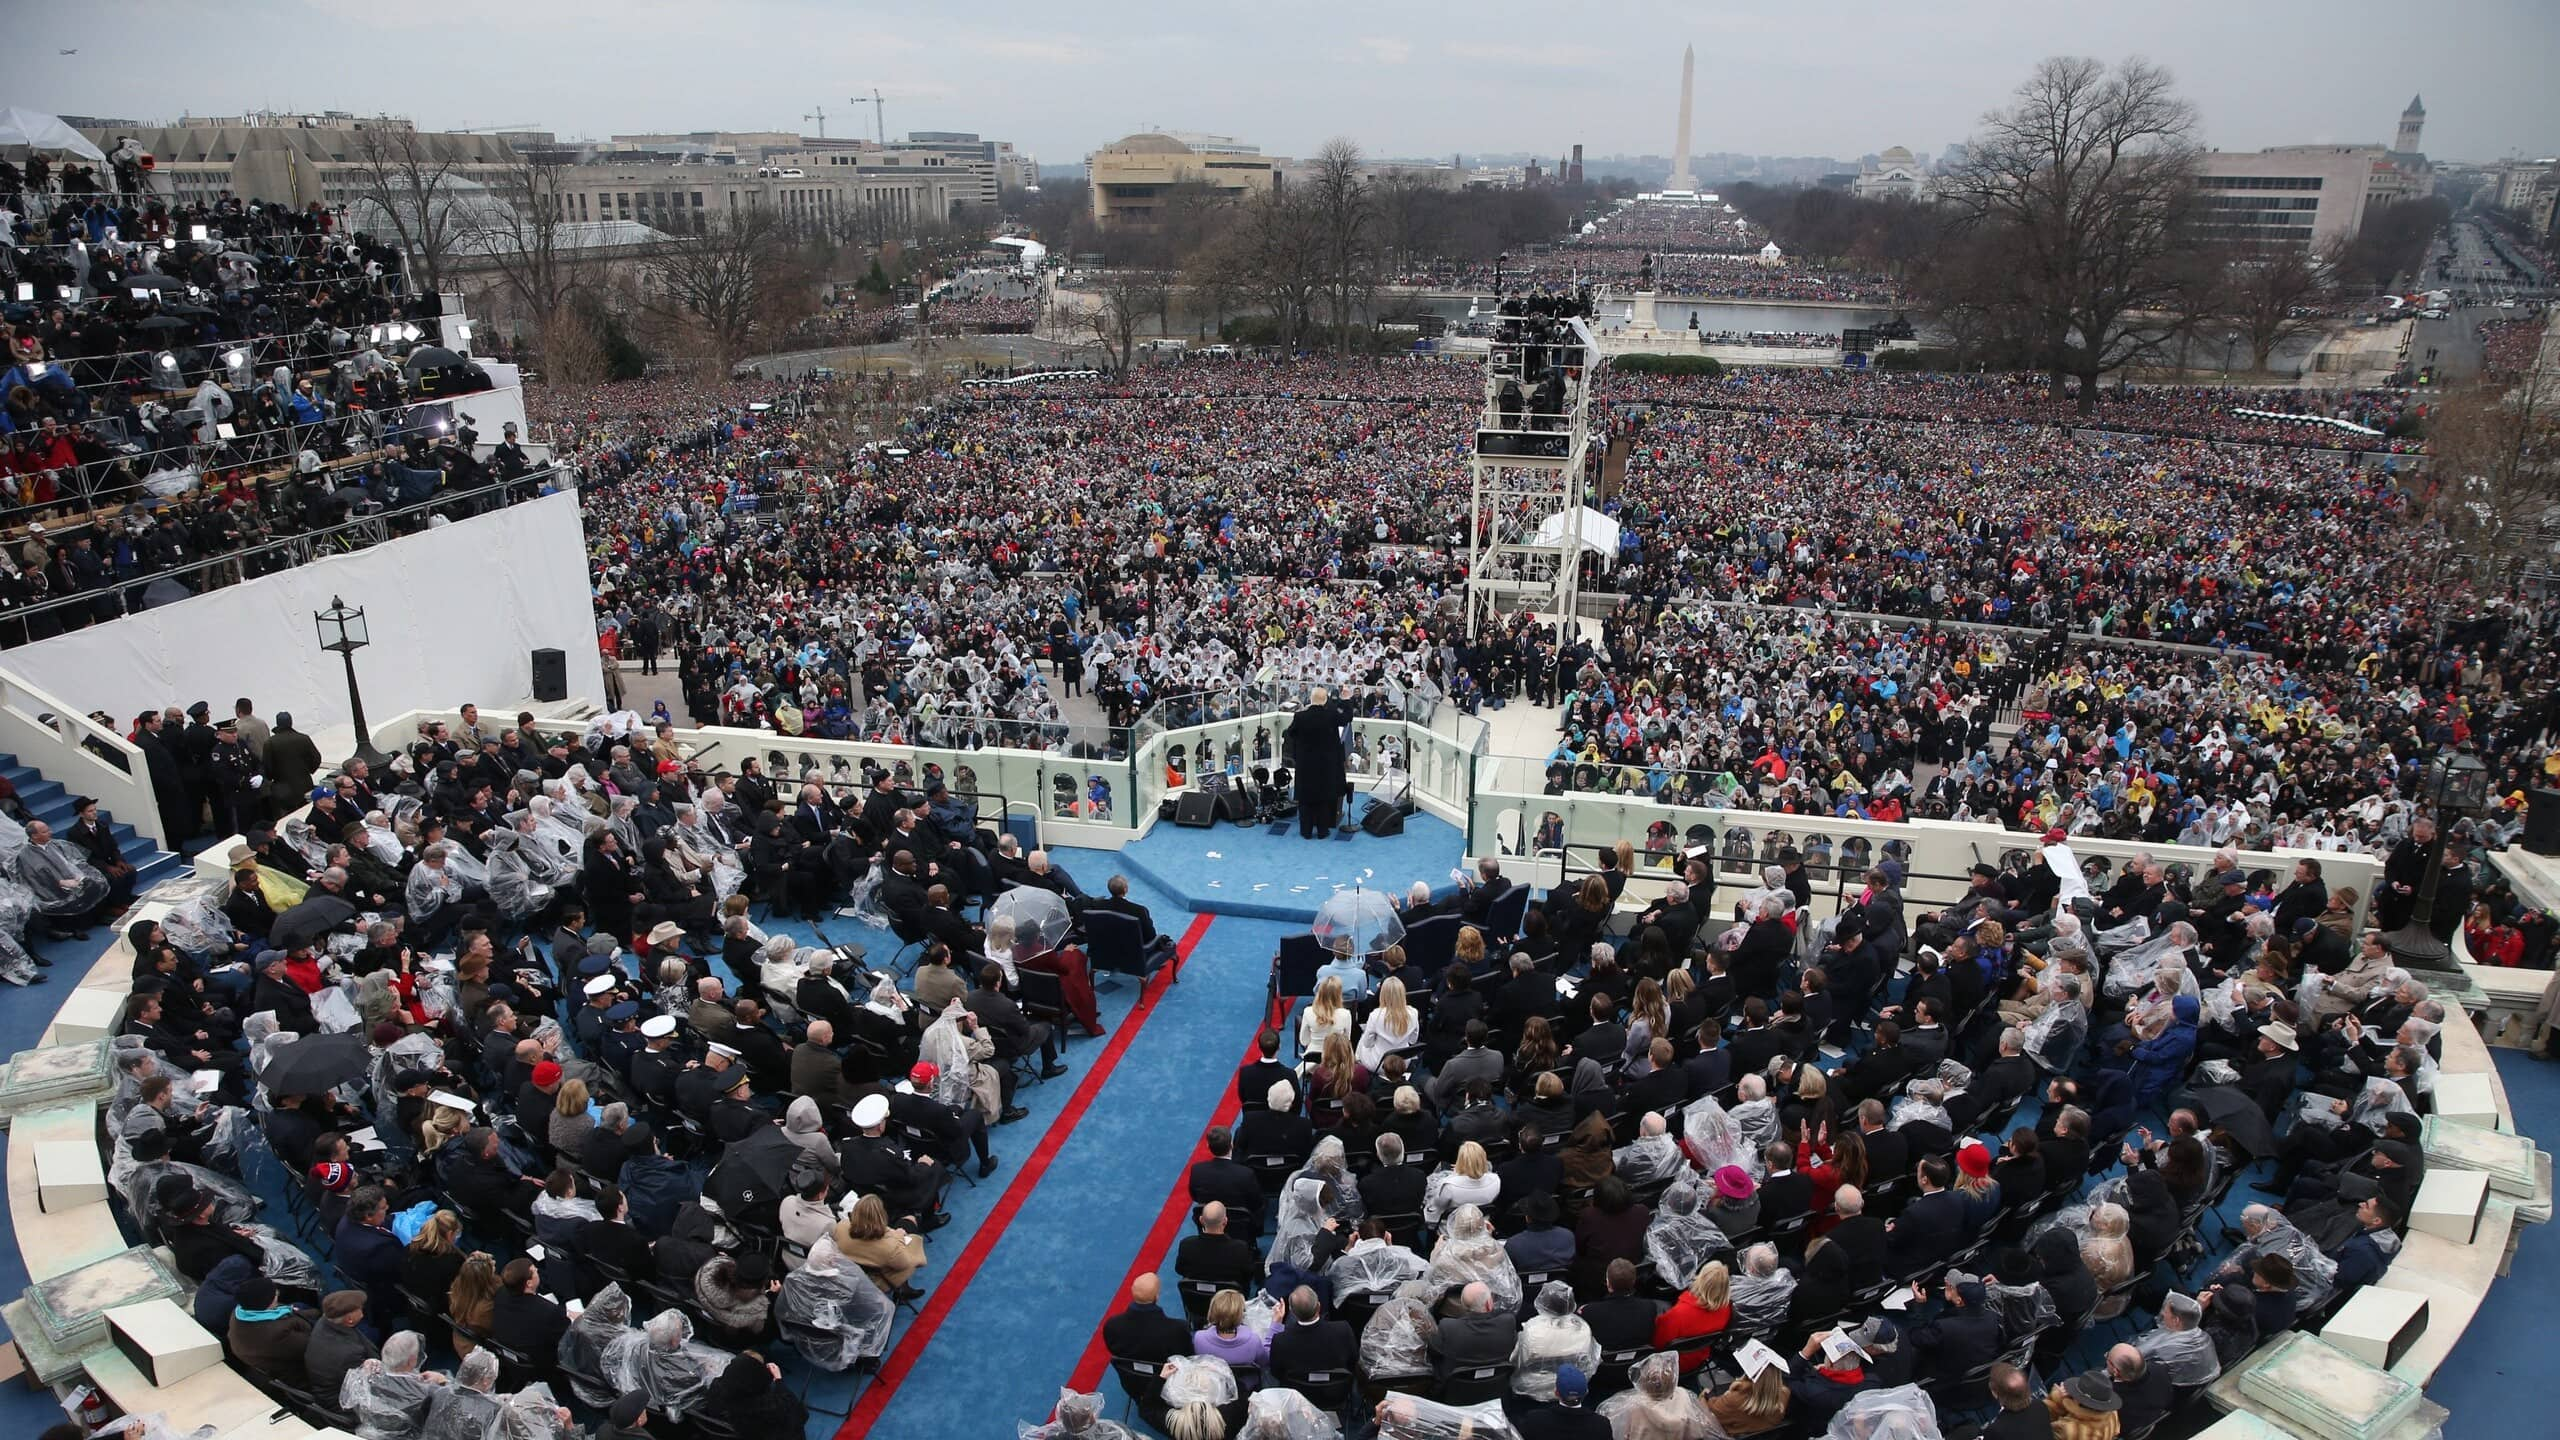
pixel 1365 918
pixel 1039 918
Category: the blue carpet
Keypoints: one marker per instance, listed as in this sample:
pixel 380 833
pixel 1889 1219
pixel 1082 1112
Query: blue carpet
pixel 1246 871
pixel 2487 1382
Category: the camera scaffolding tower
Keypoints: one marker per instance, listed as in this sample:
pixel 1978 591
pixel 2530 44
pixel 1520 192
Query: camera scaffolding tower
pixel 1532 451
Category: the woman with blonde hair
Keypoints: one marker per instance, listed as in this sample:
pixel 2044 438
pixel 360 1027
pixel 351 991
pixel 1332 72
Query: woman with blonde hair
pixel 1752 1403
pixel 474 1292
pixel 1324 1016
pixel 440 1123
pixel 1469 1180
pixel 1393 1026
pixel 886 1253
pixel 1470 949
pixel 570 1122
pixel 1650 1010
pixel 431 1262
pixel 1337 1073
pixel 1226 1336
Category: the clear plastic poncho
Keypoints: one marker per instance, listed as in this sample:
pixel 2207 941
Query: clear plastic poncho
pixel 2064 1014
pixel 2188 1355
pixel 1410 1417
pixel 1397 1340
pixel 533 1413
pixel 514 888
pixel 606 1319
pixel 1921 1102
pixel 431 888
pixel 198 927
pixel 1302 1217
pixel 1554 1336
pixel 831 1312
pixel 1078 1417
pixel 691 838
pixel 232 1203
pixel 1374 1267
pixel 1755 1124
pixel 389 1397
pixel 299 837
pixel 1654 1407
pixel 1203 1379
pixel 1469 1252
pixel 1329 1163
pixel 1276 1412
pixel 1760 1301
pixel 1713 1141
pixel 57 879
pixel 2025 1311
pixel 948 1050
pixel 2315 1275
pixel 1648 1159
pixel 1904 1412
pixel 17 906
pixel 1680 1237
pixel 664 1362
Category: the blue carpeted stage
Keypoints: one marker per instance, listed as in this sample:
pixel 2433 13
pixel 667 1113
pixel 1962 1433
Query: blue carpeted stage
pixel 1251 872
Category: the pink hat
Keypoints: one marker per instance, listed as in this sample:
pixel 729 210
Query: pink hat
pixel 1733 1182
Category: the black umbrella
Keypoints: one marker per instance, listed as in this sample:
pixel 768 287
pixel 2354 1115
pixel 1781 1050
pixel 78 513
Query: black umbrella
pixel 2231 1110
pixel 431 357
pixel 310 920
pixel 316 1064
pixel 163 322
pixel 754 1172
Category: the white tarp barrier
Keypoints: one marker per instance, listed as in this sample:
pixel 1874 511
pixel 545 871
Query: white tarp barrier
pixel 455 612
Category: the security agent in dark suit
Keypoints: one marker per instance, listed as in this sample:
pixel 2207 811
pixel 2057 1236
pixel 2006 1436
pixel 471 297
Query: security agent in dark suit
pixel 1143 1331
pixel 1231 1182
pixel 1929 1228
pixel 1216 1256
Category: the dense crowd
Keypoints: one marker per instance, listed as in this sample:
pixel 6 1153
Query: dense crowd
pixel 1712 275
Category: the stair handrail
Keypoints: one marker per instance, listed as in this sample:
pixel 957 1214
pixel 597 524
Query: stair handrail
pixel 80 754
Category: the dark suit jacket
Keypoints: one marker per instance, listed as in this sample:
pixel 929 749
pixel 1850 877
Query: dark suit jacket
pixel 1297 1349
pixel 1231 1183
pixel 1472 1340
pixel 1862 1243
pixel 1132 909
pixel 1395 1190
pixel 1621 1322
pixel 1145 1332
pixel 1221 1258
pixel 1887 1155
pixel 1927 1231
pixel 529 1324
pixel 1783 1197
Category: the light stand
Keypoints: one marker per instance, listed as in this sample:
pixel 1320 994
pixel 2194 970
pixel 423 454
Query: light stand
pixel 342 629
pixel 2459 785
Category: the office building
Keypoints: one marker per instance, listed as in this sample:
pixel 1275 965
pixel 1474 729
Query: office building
pixel 1894 175
pixel 1130 177
pixel 295 159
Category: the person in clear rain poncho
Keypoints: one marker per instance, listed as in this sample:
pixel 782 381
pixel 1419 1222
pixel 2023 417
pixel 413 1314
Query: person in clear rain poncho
pixel 606 1319
pixel 1330 1163
pixel 1712 1141
pixel 2266 1231
pixel 148 1145
pixel 1198 1380
pixel 1555 1335
pixel 1468 1252
pixel 692 841
pixel 955 1053
pixel 1680 1237
pixel 1410 1417
pixel 469 1408
pixel 1762 1290
pixel 831 1312
pixel 17 907
pixel 664 1362
pixel 1078 1417
pixel 433 885
pixel 1377 1266
pixel 1654 1407
pixel 1397 1343
pixel 1651 1156
pixel 1302 1218
pixel 59 882
pixel 2180 1344
pixel 1904 1412
pixel 390 1396
pixel 1276 1412
pixel 513 887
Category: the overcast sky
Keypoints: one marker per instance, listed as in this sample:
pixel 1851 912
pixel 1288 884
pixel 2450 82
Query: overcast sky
pixel 1402 77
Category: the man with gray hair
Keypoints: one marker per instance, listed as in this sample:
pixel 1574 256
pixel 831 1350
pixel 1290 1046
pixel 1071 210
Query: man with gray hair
pixel 2180 1348
pixel 1652 1156
pixel 1762 1289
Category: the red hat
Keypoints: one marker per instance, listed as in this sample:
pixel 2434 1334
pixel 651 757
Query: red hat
pixel 925 1073
pixel 2055 836
pixel 334 1176
pixel 546 1074
pixel 1974 1159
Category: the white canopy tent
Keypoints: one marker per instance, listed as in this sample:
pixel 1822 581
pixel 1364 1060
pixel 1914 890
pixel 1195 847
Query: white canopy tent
pixel 28 130
pixel 1599 533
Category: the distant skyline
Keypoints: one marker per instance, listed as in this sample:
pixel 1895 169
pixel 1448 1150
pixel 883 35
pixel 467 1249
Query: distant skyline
pixel 1428 78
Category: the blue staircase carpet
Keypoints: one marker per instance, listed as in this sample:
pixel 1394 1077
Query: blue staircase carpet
pixel 1248 872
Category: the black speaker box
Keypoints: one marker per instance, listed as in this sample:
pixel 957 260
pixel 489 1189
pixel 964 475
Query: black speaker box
pixel 550 675
pixel 2542 821
pixel 1383 819
pixel 1198 810
pixel 1235 805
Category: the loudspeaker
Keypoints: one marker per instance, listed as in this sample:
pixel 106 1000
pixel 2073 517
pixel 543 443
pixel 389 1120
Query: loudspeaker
pixel 2542 821
pixel 1383 819
pixel 550 675
pixel 1197 811
pixel 163 1342
pixel 1235 805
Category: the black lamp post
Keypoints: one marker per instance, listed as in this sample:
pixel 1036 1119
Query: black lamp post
pixel 343 629
pixel 2459 785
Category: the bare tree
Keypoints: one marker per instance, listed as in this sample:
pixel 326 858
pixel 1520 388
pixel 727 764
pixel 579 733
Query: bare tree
pixel 409 183
pixel 1347 222
pixel 525 241
pixel 1279 252
pixel 737 281
pixel 2087 177
pixel 2271 293
pixel 1125 299
pixel 2495 469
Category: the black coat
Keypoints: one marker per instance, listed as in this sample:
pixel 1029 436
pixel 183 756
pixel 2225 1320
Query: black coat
pixel 1313 747
pixel 1145 1332
pixel 1232 1183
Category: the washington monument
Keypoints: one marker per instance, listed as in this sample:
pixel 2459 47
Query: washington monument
pixel 1681 179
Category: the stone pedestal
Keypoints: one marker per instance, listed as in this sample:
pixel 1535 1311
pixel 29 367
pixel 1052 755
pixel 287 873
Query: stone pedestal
pixel 1640 316
pixel 2449 1204
pixel 2376 1325
pixel 65 1074
pixel 68 1174
pixel 2320 1392
pixel 2467 1099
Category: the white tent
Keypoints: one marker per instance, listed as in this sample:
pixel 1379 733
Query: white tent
pixel 35 130
pixel 1599 533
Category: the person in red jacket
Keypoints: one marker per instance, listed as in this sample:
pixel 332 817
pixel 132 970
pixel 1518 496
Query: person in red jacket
pixel 1705 1308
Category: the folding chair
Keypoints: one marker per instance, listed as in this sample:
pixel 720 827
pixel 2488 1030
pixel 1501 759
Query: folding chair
pixel 1113 945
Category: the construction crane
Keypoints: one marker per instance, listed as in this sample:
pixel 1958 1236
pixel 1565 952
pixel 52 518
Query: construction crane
pixel 819 115
pixel 879 115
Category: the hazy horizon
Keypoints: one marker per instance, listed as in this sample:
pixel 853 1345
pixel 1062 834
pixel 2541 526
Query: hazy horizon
pixel 1426 79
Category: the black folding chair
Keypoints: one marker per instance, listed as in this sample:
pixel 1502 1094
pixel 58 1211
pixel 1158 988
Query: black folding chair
pixel 1472 1385
pixel 1113 945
